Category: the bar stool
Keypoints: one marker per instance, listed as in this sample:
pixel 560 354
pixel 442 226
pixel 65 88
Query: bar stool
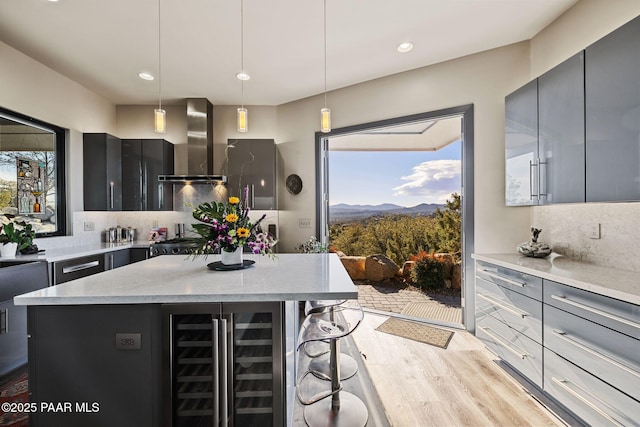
pixel 319 351
pixel 331 326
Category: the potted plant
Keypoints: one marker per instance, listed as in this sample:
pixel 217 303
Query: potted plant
pixel 226 227
pixel 14 237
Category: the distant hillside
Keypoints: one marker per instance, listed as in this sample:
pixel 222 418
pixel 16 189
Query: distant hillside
pixel 343 212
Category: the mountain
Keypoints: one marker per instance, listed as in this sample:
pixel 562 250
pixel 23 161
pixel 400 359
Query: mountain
pixel 343 212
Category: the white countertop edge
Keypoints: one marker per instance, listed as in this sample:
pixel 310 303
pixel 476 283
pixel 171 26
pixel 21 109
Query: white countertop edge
pixel 179 299
pixel 619 284
pixel 70 252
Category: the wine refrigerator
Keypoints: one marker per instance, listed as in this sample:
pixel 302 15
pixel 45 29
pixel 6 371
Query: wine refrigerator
pixel 223 364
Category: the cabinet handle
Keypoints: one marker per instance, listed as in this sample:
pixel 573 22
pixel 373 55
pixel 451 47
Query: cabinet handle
pixel 253 196
pixel 506 307
pixel 215 348
pixel 594 310
pixel 224 394
pixel 520 354
pixel 79 267
pixel 571 340
pixel 540 193
pixel 531 165
pixel 4 321
pixel 111 194
pixel 497 276
pixel 567 386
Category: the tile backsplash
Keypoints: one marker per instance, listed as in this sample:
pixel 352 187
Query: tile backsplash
pixel 185 198
pixel 567 229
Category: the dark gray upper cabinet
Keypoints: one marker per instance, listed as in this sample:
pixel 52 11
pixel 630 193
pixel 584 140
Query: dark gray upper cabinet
pixel 612 82
pixel 102 172
pixel 521 146
pixel 561 132
pixel 142 161
pixel 252 163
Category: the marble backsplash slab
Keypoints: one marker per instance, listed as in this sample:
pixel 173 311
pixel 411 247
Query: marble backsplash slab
pixel 567 227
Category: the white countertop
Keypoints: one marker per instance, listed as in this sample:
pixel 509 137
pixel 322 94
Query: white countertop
pixel 69 252
pixel 177 279
pixel 620 284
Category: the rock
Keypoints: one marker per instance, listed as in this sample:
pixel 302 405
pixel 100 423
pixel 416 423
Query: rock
pixel 456 277
pixel 406 270
pixel 354 266
pixel 379 267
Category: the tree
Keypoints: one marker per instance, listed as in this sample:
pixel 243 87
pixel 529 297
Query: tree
pixel 8 193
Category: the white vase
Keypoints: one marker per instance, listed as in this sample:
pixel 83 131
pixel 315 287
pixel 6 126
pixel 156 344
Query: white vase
pixel 8 250
pixel 233 257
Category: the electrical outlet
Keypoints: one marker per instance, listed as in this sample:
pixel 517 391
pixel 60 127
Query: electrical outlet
pixel 593 230
pixel 154 224
pixel 89 226
pixel 304 223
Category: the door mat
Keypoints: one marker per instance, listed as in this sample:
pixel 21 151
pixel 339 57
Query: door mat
pixel 14 391
pixel 433 310
pixel 416 331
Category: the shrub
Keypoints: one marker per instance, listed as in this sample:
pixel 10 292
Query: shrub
pixel 428 273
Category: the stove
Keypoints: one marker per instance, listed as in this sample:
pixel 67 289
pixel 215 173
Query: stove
pixel 182 246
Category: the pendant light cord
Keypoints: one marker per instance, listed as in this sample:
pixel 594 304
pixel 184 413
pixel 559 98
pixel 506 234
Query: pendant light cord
pixel 325 53
pixel 242 49
pixel 159 60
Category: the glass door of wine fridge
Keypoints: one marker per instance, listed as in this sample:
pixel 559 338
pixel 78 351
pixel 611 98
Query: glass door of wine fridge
pixel 224 364
pixel 257 362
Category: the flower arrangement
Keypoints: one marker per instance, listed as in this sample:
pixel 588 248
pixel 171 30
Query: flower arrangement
pixel 226 226
pixel 312 246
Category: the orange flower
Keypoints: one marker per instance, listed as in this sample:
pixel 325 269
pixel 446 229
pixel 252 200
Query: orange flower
pixel 243 232
pixel 231 217
pixel 234 200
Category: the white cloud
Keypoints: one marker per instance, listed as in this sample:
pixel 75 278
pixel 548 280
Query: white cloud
pixel 434 181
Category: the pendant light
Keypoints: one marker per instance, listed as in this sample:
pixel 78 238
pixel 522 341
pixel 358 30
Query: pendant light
pixel 325 113
pixel 243 113
pixel 159 115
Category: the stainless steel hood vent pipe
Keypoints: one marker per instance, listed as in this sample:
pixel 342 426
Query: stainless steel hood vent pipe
pixel 199 146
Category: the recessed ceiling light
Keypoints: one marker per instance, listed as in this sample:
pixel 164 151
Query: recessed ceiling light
pixel 243 76
pixel 53 1
pixel 145 76
pixel 405 47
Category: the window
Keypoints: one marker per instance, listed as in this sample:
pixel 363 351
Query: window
pixel 32 173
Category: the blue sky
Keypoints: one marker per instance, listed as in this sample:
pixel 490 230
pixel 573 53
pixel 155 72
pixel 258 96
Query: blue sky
pixel 405 178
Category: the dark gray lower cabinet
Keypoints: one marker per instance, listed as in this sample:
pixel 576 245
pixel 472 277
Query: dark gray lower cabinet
pixel 157 365
pixel 16 280
pixel 101 360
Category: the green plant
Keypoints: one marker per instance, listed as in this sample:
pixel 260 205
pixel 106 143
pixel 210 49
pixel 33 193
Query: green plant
pixel 428 273
pixel 23 236
pixel 312 246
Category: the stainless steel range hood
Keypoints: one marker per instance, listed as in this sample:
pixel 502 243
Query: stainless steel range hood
pixel 199 146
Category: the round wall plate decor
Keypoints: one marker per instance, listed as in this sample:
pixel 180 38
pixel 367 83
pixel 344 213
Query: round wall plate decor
pixel 294 184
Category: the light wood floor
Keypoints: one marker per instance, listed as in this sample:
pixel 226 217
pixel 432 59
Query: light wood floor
pixel 421 385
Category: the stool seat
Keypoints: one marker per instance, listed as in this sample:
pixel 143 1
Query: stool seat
pixel 330 326
pixel 318 306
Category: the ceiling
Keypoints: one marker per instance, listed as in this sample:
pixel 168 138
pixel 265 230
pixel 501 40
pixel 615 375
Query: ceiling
pixel 104 44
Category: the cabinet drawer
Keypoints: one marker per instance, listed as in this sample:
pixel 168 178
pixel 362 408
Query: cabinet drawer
pixel 612 313
pixel 522 283
pixel 76 268
pixel 522 313
pixel 593 400
pixel 607 354
pixel 522 353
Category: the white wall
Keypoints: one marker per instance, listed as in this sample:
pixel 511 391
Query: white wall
pixel 483 80
pixel 565 226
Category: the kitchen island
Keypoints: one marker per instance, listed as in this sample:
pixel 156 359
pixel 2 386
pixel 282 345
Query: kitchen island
pixel 168 342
